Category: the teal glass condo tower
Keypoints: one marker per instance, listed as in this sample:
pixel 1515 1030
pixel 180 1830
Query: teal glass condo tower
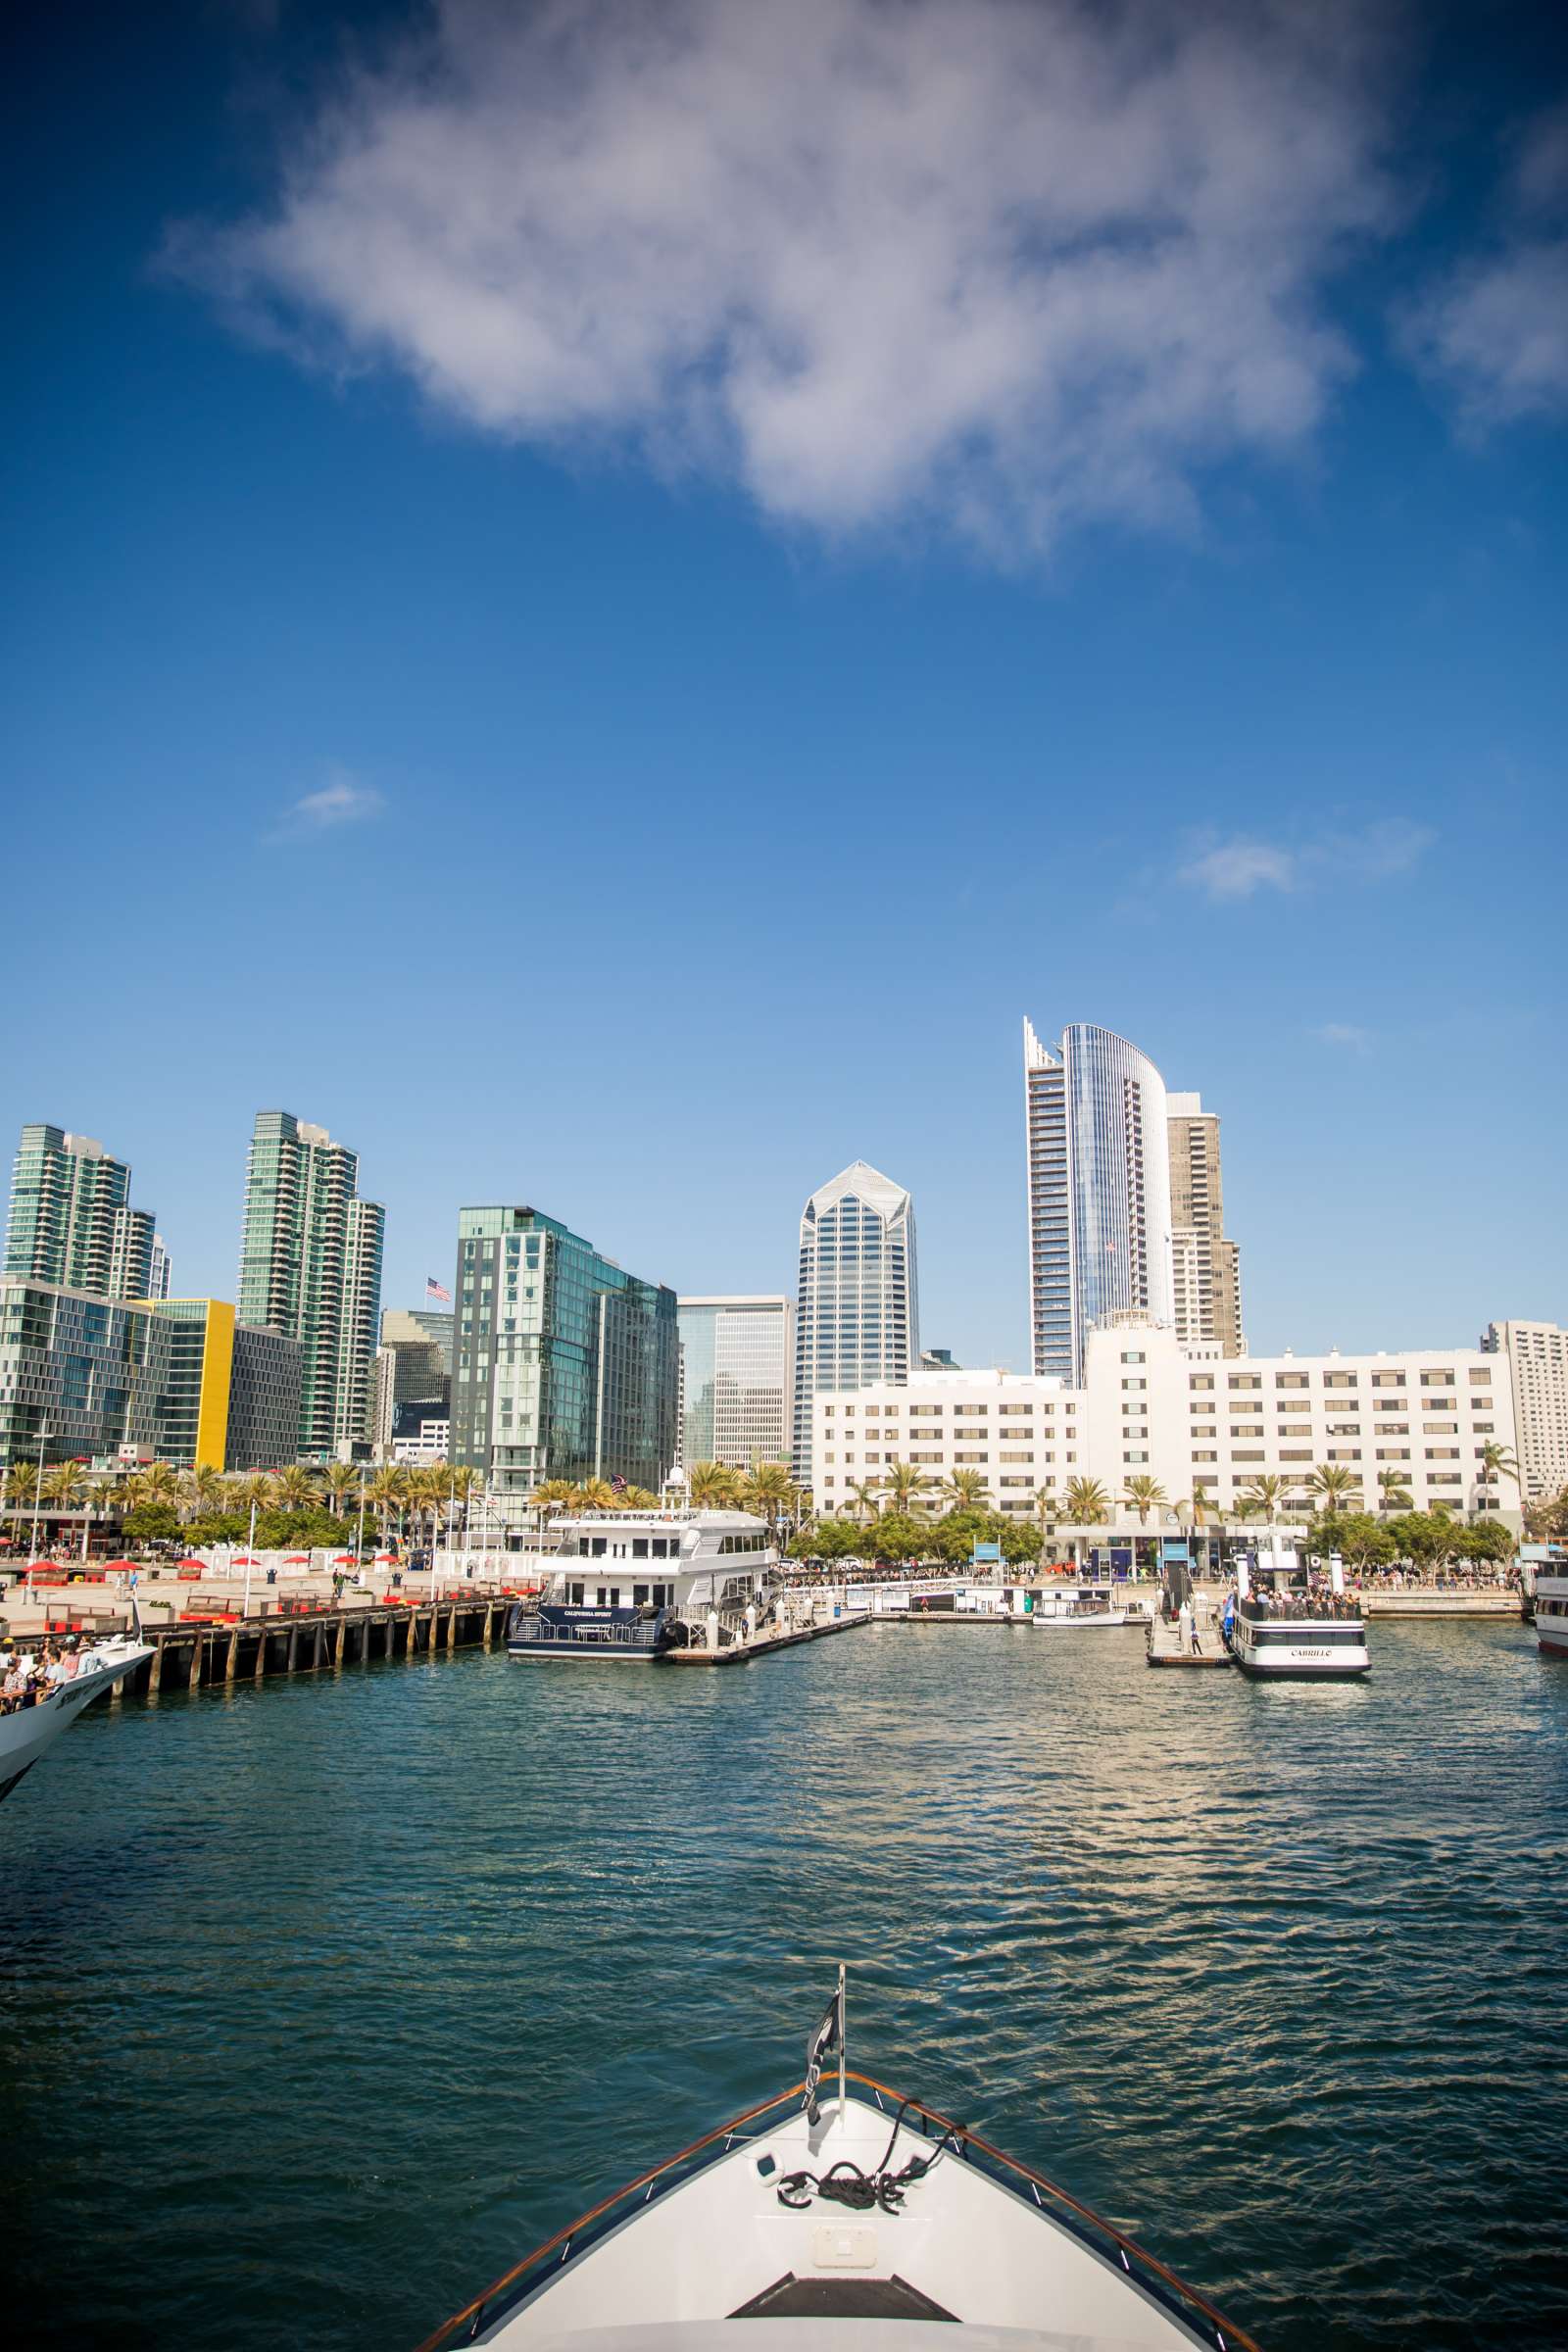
pixel 563 1365
pixel 311 1267
pixel 70 1220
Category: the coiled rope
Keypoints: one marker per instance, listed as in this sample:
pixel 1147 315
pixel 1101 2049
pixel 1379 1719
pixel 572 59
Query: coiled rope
pixel 844 2183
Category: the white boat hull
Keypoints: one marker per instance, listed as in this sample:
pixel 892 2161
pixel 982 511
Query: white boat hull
pixel 1551 1616
pixel 1085 1623
pixel 1334 1651
pixel 696 2260
pixel 30 1731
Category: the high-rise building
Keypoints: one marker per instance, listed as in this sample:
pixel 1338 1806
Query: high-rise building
pixel 1538 1371
pixel 737 1373
pixel 563 1365
pixel 82 1376
pixel 857 1318
pixel 71 1222
pixel 1100 1219
pixel 159 1271
pixel 230 1396
pixel 1207 1266
pixel 413 1366
pixel 311 1267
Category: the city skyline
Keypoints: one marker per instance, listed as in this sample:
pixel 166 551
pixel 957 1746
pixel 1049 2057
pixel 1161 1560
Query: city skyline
pixel 1238 733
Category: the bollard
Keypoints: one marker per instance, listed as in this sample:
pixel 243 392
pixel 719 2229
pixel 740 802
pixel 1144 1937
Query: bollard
pixel 713 1631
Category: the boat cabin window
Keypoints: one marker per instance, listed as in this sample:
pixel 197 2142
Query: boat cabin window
pixel 639 1596
pixel 597 1548
pixel 574 1595
pixel 639 1547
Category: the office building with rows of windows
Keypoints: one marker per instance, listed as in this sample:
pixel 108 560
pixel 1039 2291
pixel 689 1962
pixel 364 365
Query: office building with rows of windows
pixel 857 1313
pixel 737 1380
pixel 1537 1364
pixel 1098 1140
pixel 1410 1430
pixel 563 1365
pixel 1207 1264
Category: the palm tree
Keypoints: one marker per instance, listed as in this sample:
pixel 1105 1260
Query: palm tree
pixel 1144 1495
pixel 296 1488
pixel 1334 1484
pixel 710 1486
pixel 637 1498
pixel 1497 1461
pixel 65 1485
pixel 384 1495
pixel 965 1491
pixel 906 1489
pixel 554 1494
pixel 770 1492
pixel 160 1483
pixel 1085 1502
pixel 1262 1493
pixel 1394 1492
pixel 597 1494
pixel 866 1499
pixel 202 1490
pixel 342 1478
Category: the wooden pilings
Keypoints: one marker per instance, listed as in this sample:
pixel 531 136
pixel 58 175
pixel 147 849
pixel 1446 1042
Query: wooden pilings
pixel 313 1641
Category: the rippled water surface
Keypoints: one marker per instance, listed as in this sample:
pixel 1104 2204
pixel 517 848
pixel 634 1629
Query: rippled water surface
pixel 322 2001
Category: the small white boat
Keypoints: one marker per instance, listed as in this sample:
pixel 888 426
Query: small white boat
pixel 25 1734
pixel 1077 1609
pixel 627 1586
pixel 847 2224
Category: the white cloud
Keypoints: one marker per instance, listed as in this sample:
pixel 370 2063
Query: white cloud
pixel 998 266
pixel 341 801
pixel 1344 1035
pixel 1239 867
pixel 1495 335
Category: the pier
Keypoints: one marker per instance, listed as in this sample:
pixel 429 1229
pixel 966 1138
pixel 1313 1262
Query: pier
pixel 766 1640
pixel 190 1655
pixel 1167 1648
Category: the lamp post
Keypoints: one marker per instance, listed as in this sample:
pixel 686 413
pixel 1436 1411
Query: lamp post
pixel 250 1552
pixel 359 1540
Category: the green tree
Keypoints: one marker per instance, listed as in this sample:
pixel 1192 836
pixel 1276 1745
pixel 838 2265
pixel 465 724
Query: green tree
pixel 1360 1540
pixel 866 1499
pixel 295 1487
pixel 341 1480
pixel 1393 1492
pixel 964 1489
pixel 711 1486
pixel 1086 1504
pixel 897 1537
pixel 1143 1494
pixel 1333 1483
pixel 1261 1494
pixel 906 1488
pixel 151 1523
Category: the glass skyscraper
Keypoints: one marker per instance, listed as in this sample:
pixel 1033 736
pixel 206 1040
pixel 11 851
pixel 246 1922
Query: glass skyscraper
pixel 1100 1221
pixel 857 1318
pixel 311 1267
pixel 737 1375
pixel 70 1221
pixel 564 1365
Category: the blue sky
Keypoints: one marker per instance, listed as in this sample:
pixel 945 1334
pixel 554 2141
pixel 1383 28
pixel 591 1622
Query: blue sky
pixel 596 615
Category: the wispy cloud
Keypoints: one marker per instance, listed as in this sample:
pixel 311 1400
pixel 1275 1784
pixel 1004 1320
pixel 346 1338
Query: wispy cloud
pixel 341 801
pixel 991 267
pixel 1238 865
pixel 1344 1035
pixel 1496 334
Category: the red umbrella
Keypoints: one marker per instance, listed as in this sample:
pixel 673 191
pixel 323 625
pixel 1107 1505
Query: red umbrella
pixel 32 1564
pixel 178 1563
pixel 241 1561
pixel 131 1563
pixel 296 1559
pixel 346 1560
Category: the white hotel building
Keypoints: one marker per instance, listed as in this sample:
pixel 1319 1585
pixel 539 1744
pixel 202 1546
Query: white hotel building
pixel 1193 1418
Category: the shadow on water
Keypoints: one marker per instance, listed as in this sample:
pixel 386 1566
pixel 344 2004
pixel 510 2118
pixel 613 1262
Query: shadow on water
pixel 326 1998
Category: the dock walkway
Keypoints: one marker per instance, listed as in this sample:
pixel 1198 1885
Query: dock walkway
pixel 187 1656
pixel 766 1640
pixel 1166 1646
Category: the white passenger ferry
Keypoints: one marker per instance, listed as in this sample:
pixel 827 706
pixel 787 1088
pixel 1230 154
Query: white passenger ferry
pixel 1280 1628
pixel 1079 1608
pixel 1551 1612
pixel 627 1586
pixel 846 2217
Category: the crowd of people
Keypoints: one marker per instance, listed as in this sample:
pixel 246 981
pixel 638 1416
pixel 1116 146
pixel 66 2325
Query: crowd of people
pixel 27 1677
pixel 1319 1600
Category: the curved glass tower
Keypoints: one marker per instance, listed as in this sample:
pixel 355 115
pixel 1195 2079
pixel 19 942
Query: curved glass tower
pixel 1100 1223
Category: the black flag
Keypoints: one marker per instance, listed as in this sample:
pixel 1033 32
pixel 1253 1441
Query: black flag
pixel 825 2036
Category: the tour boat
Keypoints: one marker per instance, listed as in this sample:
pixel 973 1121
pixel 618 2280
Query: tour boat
pixel 25 1734
pixel 1552 1615
pixel 1078 1608
pixel 629 1586
pixel 843 2222
pixel 1283 1630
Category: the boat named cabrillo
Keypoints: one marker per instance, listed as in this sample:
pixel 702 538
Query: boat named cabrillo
pixel 1551 1612
pixel 629 1586
pixel 1284 1628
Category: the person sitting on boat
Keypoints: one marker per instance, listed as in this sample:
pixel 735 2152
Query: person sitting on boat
pixel 13 1689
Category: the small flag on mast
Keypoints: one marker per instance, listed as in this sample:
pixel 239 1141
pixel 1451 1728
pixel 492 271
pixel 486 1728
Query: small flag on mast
pixel 825 2036
pixel 433 1289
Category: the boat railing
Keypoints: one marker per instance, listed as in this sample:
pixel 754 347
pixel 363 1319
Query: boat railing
pixel 1146 2270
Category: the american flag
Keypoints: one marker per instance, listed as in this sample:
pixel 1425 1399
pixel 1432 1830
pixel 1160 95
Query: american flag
pixel 433 1289
pixel 617 1485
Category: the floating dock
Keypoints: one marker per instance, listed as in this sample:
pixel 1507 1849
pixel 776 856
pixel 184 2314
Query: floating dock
pixel 1166 1646
pixel 764 1642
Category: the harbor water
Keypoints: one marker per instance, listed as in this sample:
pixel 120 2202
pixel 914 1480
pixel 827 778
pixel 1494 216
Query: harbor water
pixel 323 2001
